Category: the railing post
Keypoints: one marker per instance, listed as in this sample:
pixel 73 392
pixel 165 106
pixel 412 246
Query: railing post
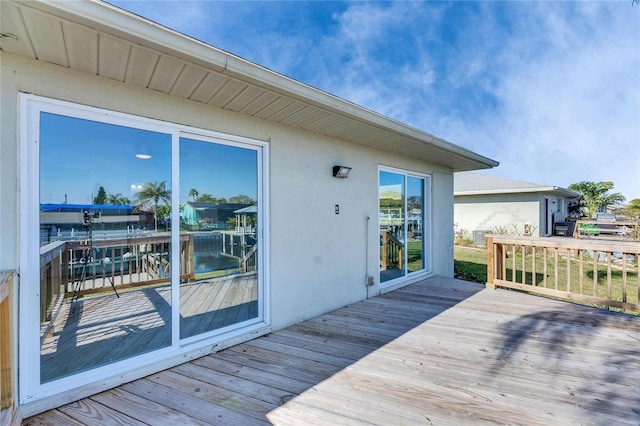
pixel 491 263
pixel 383 261
pixel 6 338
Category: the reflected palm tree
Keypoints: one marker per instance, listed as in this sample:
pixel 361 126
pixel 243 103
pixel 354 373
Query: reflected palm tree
pixel 153 193
pixel 117 199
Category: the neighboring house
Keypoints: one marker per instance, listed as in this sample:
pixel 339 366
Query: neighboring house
pixel 212 214
pixel 484 203
pixel 93 96
pixel 66 221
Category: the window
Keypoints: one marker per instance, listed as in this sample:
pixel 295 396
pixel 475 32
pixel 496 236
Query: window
pixel 403 220
pixel 142 240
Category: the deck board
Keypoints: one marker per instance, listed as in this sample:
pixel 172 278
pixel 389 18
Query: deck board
pixel 441 351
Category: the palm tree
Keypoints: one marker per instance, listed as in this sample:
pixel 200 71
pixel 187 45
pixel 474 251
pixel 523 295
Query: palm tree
pixel 193 193
pixel 633 209
pixel 153 193
pixel 117 199
pixel 596 195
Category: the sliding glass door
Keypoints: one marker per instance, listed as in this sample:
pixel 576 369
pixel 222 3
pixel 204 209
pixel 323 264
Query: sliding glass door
pixel 141 238
pixel 219 185
pixel 402 216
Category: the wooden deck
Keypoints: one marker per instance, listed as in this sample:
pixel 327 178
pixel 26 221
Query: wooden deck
pixel 441 351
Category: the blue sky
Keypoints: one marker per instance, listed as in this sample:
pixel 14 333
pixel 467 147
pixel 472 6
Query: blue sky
pixel 78 156
pixel 549 89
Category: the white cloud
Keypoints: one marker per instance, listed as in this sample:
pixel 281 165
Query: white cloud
pixel 550 89
pixel 568 98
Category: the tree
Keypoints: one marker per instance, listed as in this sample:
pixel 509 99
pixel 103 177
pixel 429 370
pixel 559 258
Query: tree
pixel 193 193
pixel 633 209
pixel 101 198
pixel 205 198
pixel 241 199
pixel 595 195
pixel 153 193
pixel 118 199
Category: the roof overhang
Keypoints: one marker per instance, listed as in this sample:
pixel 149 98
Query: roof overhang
pixel 100 39
pixel 551 190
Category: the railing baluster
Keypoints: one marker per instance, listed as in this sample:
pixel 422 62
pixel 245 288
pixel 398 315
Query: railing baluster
pixel 504 261
pixel 595 273
pixel 513 263
pixel 568 270
pixel 534 280
pixel 581 273
pixel 608 275
pixel 112 258
pixel 544 267
pixel 624 278
pixel 524 267
pixel 556 268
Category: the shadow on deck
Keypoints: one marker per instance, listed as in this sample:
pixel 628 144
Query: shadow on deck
pixel 441 351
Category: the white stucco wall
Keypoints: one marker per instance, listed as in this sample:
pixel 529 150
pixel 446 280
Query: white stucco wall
pixel 319 260
pixel 487 212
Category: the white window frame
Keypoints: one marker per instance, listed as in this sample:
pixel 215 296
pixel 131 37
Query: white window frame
pixel 427 230
pixel 108 376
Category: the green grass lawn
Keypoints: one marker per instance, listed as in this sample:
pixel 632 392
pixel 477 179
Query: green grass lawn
pixel 470 264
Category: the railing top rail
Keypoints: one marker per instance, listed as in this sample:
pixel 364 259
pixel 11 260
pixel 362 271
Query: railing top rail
pixel 126 241
pixel 53 246
pixel 629 247
pixel 606 222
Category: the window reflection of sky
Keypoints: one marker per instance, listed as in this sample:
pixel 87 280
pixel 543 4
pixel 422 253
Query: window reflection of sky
pixel 218 170
pixel 77 156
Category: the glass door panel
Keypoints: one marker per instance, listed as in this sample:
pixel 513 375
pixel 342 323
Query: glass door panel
pixel 392 219
pixel 218 223
pixel 415 224
pixel 105 252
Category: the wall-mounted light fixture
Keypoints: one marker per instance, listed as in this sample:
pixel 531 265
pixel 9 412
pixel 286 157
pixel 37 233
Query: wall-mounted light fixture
pixel 341 171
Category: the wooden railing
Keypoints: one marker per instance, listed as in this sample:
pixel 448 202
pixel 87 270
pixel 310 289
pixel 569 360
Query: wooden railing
pixel 391 254
pixel 54 273
pixel 125 262
pixel 249 261
pixel 593 271
pixel 6 344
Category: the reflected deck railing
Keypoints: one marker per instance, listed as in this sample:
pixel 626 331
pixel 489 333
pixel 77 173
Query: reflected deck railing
pixel 392 251
pixel 83 267
pixel 591 271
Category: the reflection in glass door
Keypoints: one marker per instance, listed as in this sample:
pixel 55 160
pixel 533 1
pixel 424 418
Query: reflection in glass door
pixel 402 219
pixel 392 226
pixel 219 217
pixel 105 252
pixel 415 224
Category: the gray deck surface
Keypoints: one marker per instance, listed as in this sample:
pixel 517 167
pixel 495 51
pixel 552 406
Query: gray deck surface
pixel 441 351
